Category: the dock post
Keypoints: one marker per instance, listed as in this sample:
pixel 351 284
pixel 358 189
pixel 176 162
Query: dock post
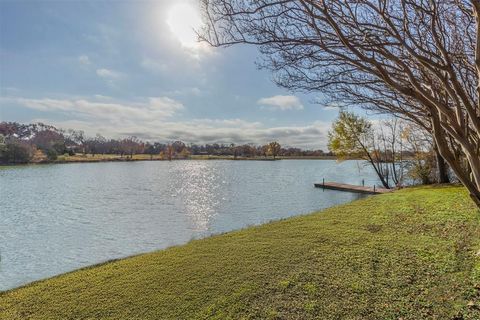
pixel 374 188
pixel 363 182
pixel 323 183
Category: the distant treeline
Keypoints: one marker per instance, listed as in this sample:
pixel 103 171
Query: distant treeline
pixel 24 143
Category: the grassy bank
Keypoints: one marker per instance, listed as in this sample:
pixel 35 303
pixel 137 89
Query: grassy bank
pixel 406 255
pixel 104 157
pixel 140 157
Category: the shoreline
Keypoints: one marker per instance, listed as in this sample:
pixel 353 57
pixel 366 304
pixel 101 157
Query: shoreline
pixel 305 260
pixel 211 235
pixel 119 159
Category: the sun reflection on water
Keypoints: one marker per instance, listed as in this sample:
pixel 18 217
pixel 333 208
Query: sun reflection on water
pixel 112 210
pixel 199 190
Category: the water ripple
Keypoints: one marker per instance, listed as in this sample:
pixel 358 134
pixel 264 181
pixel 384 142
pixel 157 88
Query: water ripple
pixel 56 218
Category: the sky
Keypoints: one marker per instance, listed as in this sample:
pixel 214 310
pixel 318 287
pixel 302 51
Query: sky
pixel 123 68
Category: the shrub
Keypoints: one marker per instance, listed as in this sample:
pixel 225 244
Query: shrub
pixel 52 155
pixel 16 151
pixel 422 169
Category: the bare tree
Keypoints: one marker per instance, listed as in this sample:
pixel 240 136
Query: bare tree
pixel 49 140
pixel 388 150
pixel 421 164
pixel 382 99
pixel 263 150
pixel 427 52
pixel 132 145
pixel 274 149
pixel 354 136
pixel 153 149
pixel 170 152
pixel 78 137
pixel 234 150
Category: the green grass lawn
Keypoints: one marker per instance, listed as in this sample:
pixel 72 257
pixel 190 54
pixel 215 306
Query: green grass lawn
pixel 406 255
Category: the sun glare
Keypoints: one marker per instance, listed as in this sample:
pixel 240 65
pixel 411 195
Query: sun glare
pixel 183 19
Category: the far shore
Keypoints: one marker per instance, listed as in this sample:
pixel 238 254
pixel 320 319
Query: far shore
pixel 88 158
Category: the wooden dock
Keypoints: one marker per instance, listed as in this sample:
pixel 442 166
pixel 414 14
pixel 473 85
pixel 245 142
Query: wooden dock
pixel 351 188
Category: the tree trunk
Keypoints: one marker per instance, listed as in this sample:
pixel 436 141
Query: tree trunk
pixel 447 155
pixel 441 167
pixel 372 162
pixel 380 175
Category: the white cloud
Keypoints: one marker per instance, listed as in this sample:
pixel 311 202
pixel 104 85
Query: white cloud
pixel 43 104
pixel 333 106
pixel 282 103
pixel 310 136
pixel 103 97
pixel 84 59
pixel 10 89
pixel 153 120
pixel 193 91
pixel 109 74
pixel 154 108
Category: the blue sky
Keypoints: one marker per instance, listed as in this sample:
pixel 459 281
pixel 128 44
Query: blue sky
pixel 124 68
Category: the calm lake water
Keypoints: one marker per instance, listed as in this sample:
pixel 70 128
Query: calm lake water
pixel 57 218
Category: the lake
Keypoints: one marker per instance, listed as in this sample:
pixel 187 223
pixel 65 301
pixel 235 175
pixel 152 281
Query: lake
pixel 61 217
